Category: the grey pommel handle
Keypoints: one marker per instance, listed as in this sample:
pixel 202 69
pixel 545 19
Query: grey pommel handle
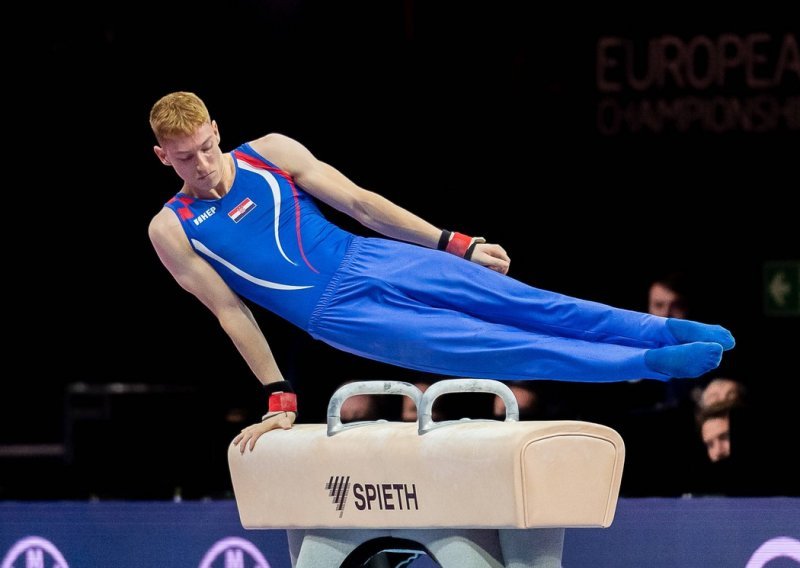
pixel 425 407
pixel 365 387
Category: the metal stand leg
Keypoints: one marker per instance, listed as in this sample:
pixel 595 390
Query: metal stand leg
pixel 326 548
pixel 532 548
pixel 462 548
pixel 471 548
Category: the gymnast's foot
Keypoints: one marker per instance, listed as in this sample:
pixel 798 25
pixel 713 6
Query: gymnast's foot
pixel 684 361
pixel 688 331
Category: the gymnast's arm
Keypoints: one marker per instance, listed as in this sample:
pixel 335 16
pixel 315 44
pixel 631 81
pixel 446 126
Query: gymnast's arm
pixel 196 276
pixel 368 208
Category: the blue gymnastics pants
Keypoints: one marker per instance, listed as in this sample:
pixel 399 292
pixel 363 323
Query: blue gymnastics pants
pixel 430 311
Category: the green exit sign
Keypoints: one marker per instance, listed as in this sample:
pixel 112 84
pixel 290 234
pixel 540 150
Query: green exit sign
pixel 782 288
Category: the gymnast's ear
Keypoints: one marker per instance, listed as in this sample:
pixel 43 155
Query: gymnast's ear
pixel 162 155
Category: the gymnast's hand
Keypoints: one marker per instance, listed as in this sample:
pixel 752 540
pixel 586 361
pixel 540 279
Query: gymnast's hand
pixel 250 435
pixel 491 256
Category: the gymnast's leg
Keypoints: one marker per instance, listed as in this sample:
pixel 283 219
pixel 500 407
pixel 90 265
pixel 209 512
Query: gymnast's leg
pixel 445 281
pixel 400 331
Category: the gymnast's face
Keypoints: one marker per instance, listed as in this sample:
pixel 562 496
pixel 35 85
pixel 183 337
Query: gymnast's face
pixel 196 158
pixel 717 438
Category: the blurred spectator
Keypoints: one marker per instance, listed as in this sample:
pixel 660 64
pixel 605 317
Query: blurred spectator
pixel 668 296
pixel 449 406
pixel 714 421
pixel 720 403
pixel 360 407
pixel 528 401
pixel 728 462
pixel 654 418
pixel 721 389
pixel 408 412
pixel 744 455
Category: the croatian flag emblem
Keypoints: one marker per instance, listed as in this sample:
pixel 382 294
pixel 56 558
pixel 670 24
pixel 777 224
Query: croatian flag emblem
pixel 238 212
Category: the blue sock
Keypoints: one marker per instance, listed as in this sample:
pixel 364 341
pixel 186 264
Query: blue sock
pixel 688 331
pixel 684 361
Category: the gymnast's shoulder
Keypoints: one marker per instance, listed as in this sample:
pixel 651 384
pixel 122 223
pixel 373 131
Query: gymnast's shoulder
pixel 283 151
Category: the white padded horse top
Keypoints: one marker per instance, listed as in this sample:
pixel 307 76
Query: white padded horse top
pixel 467 473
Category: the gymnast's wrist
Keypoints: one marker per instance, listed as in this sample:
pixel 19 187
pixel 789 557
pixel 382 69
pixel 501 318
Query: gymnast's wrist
pixel 281 398
pixel 458 244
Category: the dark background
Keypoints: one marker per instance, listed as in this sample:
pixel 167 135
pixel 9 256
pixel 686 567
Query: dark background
pixel 482 119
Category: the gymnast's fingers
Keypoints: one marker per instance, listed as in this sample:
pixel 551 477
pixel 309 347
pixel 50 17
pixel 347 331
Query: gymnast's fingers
pixel 250 435
pixel 246 435
pixel 254 439
pixel 499 253
pixel 500 265
pixel 493 257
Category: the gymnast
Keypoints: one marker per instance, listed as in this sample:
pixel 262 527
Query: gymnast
pixel 245 224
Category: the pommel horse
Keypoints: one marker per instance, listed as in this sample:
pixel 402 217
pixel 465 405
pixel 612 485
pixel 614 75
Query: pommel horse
pixel 467 493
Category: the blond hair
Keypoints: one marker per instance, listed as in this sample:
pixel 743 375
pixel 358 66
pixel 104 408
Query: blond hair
pixel 178 114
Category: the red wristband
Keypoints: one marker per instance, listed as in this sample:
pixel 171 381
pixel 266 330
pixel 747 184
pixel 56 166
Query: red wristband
pixel 283 402
pixel 458 245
